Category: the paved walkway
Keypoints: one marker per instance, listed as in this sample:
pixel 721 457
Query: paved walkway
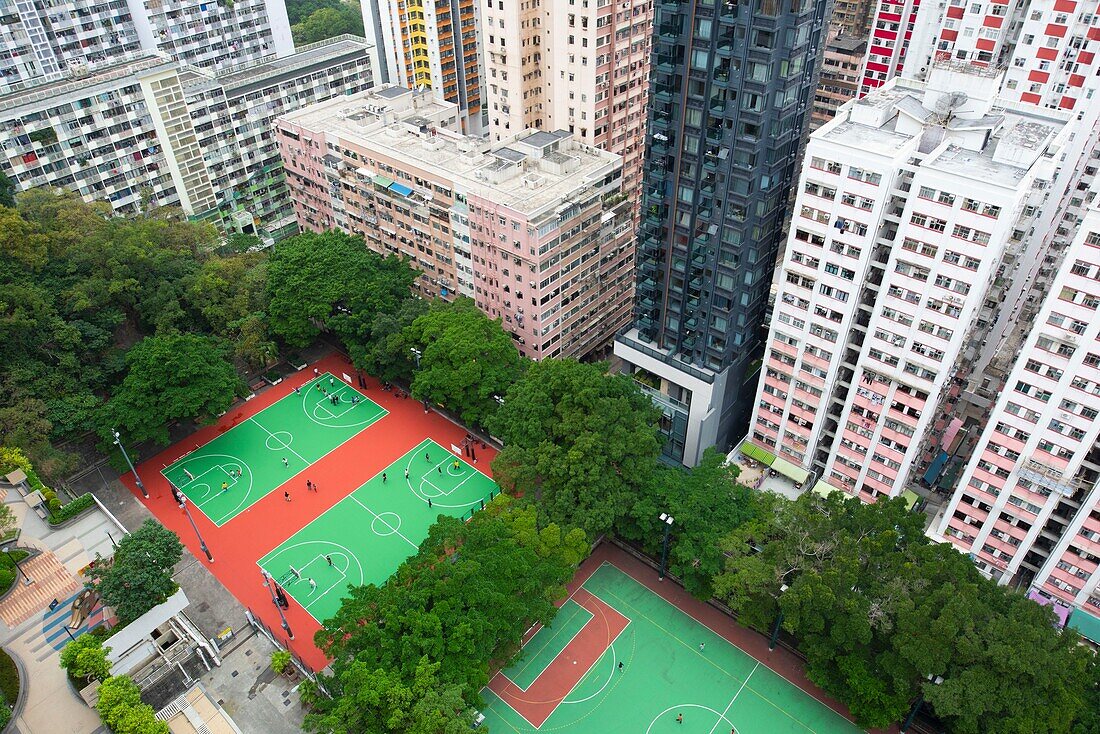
pixel 49 580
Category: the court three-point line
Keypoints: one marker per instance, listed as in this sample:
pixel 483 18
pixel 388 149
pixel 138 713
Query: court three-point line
pixel 384 522
pixel 286 446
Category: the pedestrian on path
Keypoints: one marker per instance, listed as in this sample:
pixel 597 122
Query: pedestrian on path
pixel 286 495
pixel 383 477
pixel 286 463
pixel 316 372
pixel 309 484
pixel 328 558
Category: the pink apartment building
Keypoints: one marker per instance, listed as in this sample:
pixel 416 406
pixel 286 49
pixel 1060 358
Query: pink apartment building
pixel 908 201
pixel 536 229
pixel 1027 507
pixel 576 65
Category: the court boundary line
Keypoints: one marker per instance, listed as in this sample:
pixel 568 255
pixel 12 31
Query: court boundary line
pixel 223 520
pixel 314 381
pixel 726 710
pixel 562 701
pixel 278 551
pixel 287 447
pixel 591 616
pixel 451 456
pixel 729 642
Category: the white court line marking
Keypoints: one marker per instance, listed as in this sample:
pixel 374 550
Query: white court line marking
pixel 378 517
pixel 727 708
pixel 271 556
pixel 285 448
pixel 546 644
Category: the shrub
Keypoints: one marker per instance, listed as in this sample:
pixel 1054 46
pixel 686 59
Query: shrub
pixel 54 505
pixel 71 510
pixel 86 657
pixel 280 659
pixel 9 681
pixel 121 708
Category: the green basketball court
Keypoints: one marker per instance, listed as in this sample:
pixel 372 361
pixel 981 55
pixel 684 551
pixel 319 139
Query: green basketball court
pixel 228 475
pixel 364 537
pixel 716 689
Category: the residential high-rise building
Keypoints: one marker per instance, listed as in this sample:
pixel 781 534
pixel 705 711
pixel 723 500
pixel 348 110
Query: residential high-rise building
pixel 536 229
pixel 852 18
pixel 1055 62
pixel 150 132
pixel 576 66
pixel 432 44
pixel 45 42
pixel 233 113
pixel 910 203
pixel 1027 507
pixel 728 106
pixel 908 35
pixel 839 79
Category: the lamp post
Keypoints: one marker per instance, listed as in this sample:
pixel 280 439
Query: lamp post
pixel 183 506
pixel 667 520
pixel 417 354
pixel 270 584
pixel 778 621
pixel 140 485
pixel 935 680
pixel 499 399
pixel 27 580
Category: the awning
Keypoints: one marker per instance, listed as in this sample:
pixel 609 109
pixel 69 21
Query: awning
pixel 400 189
pixel 755 452
pixel 935 468
pixel 1087 624
pixel 824 489
pixel 791 471
pixel 383 181
pixel 911 498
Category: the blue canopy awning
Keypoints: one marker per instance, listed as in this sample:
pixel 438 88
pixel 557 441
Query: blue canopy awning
pixel 400 189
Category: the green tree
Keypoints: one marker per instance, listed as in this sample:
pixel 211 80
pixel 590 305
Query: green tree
pixel 169 378
pixel 383 700
pixel 7 191
pixel 139 576
pixel 707 502
pixel 121 708
pixel 231 294
pixel 332 281
pixel 387 355
pixel 86 657
pixel 327 22
pixel 579 442
pixel 466 359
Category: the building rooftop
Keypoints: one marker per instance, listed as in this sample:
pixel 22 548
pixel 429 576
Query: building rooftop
pixel 864 137
pixel 74 88
pixel 305 60
pixel 847 44
pixel 532 173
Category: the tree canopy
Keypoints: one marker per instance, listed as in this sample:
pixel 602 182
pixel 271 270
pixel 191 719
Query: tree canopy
pixel 464 599
pixel 466 359
pixel 139 575
pixel 580 443
pixel 169 378
pixel 330 18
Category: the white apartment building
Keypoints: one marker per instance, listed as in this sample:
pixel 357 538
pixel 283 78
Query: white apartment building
pixel 104 137
pixel 1027 507
pixel 233 114
pixel 569 65
pixel 908 201
pixel 46 42
pixel 176 136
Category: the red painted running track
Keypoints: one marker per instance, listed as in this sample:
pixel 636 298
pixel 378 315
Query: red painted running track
pixel 566 670
pixel 246 538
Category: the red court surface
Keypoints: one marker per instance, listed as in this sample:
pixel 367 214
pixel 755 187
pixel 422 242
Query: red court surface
pixel 575 660
pixel 241 542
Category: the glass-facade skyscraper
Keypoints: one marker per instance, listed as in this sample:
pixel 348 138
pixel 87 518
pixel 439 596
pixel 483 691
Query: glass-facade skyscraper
pixel 730 96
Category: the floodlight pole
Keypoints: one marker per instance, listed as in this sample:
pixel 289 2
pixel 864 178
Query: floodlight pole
pixel 667 520
pixel 270 584
pixel 140 485
pixel 186 511
pixel 417 354
pixel 778 621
